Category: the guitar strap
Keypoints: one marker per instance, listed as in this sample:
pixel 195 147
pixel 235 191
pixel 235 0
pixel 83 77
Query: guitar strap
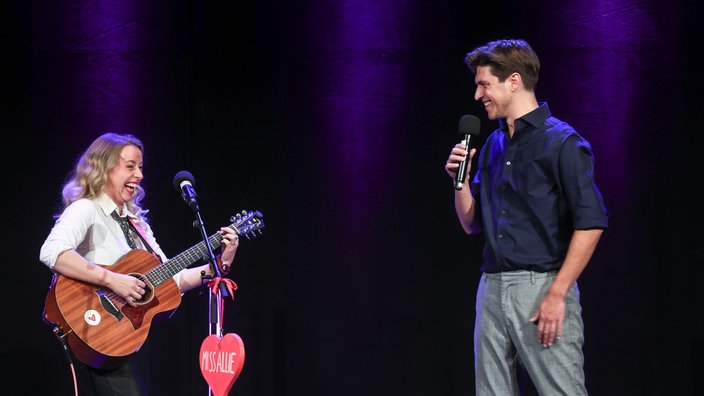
pixel 143 238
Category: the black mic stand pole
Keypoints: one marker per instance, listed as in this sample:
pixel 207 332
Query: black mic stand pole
pixel 214 311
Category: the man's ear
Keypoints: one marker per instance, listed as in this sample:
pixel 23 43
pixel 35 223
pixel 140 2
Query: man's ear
pixel 515 81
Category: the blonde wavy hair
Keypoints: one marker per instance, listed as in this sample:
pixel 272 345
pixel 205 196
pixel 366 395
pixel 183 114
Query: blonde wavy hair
pixel 89 177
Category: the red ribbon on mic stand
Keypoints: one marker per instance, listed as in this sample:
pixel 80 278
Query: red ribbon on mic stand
pixel 229 283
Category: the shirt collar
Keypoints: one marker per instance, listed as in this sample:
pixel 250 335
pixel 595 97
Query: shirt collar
pixel 538 116
pixel 107 205
pixel 535 118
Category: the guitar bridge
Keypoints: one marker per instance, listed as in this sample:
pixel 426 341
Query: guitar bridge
pixel 108 304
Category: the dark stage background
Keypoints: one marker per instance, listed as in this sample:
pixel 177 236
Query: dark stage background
pixel 334 119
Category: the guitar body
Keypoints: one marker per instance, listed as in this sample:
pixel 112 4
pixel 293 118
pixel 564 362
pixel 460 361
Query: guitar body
pixel 101 328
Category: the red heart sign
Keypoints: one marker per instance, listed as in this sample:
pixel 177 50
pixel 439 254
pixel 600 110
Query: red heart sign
pixel 221 362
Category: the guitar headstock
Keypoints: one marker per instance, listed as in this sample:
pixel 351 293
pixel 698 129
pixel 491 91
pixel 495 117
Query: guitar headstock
pixel 248 223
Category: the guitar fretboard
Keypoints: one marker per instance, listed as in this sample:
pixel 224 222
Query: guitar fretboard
pixel 194 254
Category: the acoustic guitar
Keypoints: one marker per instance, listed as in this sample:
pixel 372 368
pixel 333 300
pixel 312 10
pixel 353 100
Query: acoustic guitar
pixel 99 327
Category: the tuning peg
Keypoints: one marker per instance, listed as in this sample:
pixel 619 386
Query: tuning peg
pixel 239 215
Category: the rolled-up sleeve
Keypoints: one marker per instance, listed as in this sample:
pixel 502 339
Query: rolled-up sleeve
pixel 68 232
pixel 583 196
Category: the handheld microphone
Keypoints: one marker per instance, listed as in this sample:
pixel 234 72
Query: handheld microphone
pixel 469 126
pixel 184 183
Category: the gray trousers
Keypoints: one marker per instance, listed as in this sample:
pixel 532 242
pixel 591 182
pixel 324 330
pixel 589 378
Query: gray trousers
pixel 503 334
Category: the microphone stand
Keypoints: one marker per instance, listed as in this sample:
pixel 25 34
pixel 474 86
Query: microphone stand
pixel 214 311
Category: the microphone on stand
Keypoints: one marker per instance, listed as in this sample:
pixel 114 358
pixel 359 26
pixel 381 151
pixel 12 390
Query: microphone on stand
pixel 469 126
pixel 184 183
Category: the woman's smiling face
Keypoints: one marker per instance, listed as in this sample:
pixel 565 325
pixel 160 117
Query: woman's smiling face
pixel 124 177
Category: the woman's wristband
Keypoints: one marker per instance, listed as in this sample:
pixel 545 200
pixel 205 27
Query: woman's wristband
pixel 224 268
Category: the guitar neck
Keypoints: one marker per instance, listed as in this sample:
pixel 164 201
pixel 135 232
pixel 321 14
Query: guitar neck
pixel 190 256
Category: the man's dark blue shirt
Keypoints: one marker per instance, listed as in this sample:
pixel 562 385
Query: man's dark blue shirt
pixel 533 191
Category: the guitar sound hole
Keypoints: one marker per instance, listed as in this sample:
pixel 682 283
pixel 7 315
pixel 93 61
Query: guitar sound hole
pixel 148 289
